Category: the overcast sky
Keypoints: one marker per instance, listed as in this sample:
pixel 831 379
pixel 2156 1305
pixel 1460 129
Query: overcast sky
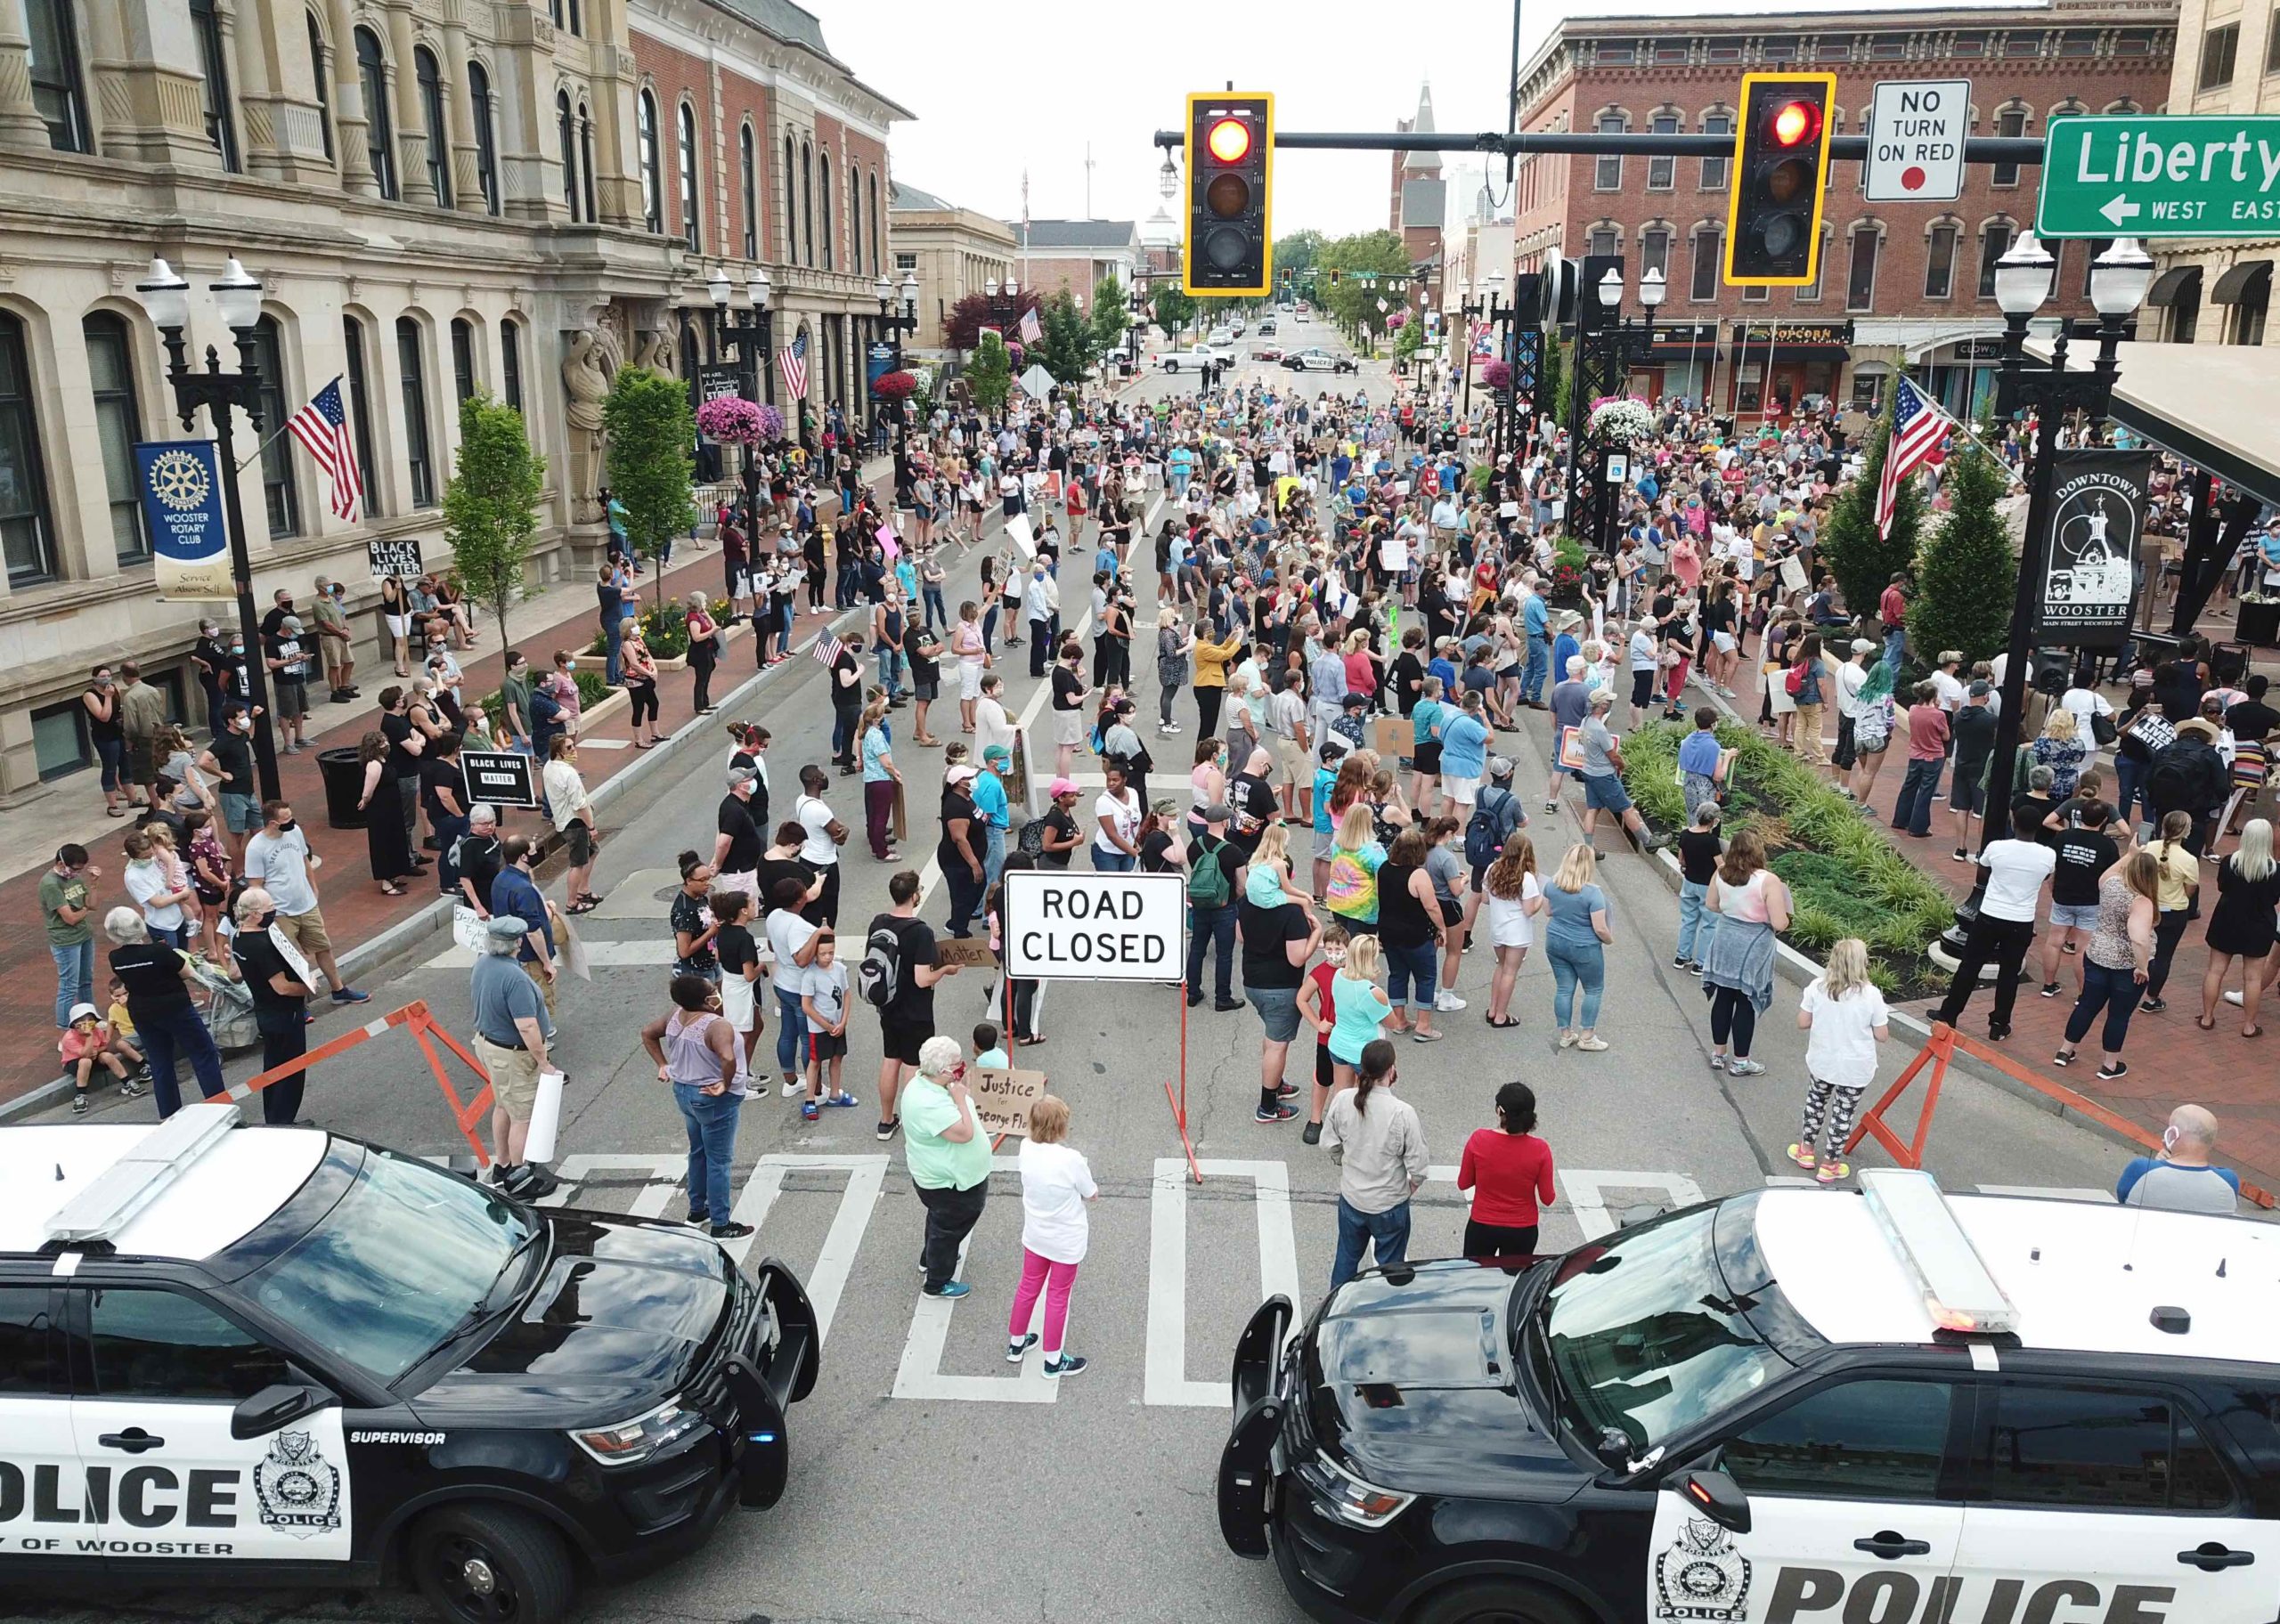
pixel 1006 86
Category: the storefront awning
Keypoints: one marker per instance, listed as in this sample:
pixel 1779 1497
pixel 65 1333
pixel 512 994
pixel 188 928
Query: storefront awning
pixel 2185 398
pixel 2172 282
pixel 2245 283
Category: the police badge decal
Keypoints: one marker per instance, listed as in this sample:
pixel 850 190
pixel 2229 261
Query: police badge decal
pixel 1702 1576
pixel 298 1489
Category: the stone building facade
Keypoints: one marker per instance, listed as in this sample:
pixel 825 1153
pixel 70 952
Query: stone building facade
pixel 2218 291
pixel 952 251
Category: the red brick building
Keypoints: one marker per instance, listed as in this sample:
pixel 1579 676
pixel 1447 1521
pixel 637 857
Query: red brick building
pixel 1901 285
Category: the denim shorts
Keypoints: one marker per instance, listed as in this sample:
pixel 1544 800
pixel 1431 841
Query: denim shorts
pixel 1605 793
pixel 240 814
pixel 2074 915
pixel 1278 1010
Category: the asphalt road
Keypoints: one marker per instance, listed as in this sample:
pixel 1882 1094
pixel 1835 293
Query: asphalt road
pixel 930 1480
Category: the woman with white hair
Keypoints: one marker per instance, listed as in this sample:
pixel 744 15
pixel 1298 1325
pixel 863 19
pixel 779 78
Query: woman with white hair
pixel 2242 927
pixel 156 977
pixel 949 1157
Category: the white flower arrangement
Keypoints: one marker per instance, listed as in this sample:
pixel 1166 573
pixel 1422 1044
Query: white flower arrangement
pixel 1620 419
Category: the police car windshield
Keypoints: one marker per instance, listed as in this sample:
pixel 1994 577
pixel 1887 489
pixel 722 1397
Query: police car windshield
pixel 395 1267
pixel 1644 1337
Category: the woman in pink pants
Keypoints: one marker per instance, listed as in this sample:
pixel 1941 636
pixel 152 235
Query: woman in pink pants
pixel 1055 1185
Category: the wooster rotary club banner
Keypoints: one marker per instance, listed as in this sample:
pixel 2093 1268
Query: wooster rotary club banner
pixel 180 482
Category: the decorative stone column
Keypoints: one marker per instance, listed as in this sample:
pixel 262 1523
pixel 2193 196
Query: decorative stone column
pixel 143 66
pixel 351 121
pixel 21 124
pixel 410 118
pixel 458 114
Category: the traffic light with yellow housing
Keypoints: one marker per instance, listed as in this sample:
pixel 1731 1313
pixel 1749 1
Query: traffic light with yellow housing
pixel 1780 176
pixel 1229 246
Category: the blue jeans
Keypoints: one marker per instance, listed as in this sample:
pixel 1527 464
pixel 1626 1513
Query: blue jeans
pixel 75 977
pixel 1114 862
pixel 791 1032
pixel 181 1034
pixel 1205 927
pixel 993 859
pixel 711 1123
pixel 611 643
pixel 1572 965
pixel 889 661
pixel 1538 666
pixel 1405 965
pixel 2114 992
pixel 1386 1233
pixel 1913 810
pixel 1696 923
pixel 1895 648
pixel 931 598
pixel 783 630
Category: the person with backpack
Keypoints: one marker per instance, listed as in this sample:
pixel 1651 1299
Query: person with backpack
pixel 897 978
pixel 1215 879
pixel 2189 777
pixel 1052 837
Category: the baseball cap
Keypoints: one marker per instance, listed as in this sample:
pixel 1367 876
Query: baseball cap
pixel 1980 688
pixel 1218 812
pixel 739 777
pixel 1352 700
pixel 960 774
pixel 1059 787
pixel 1861 646
pixel 997 752
pixel 1500 767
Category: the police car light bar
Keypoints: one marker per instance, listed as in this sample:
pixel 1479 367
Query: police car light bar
pixel 108 1205
pixel 1959 1293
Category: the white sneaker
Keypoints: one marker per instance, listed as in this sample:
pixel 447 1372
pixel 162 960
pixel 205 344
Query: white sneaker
pixel 2235 997
pixel 792 1091
pixel 1447 999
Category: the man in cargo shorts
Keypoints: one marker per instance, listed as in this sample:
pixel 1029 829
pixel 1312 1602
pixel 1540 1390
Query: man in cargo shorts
pixel 512 1030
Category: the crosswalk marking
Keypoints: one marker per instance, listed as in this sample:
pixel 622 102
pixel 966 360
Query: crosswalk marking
pixel 1165 1380
pixel 866 1178
pixel 919 1374
pixel 643 953
pixel 1585 1187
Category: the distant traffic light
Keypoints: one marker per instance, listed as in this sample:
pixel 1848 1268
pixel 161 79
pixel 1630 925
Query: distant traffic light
pixel 1780 173
pixel 1229 243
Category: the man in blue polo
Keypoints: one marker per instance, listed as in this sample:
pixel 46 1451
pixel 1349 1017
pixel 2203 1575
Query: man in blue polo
pixel 1537 616
pixel 514 894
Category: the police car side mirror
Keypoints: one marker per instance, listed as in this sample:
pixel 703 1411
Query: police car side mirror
pixel 274 1406
pixel 1717 1496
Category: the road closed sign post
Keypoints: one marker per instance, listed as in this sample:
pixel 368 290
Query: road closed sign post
pixel 1916 135
pixel 2157 176
pixel 1068 926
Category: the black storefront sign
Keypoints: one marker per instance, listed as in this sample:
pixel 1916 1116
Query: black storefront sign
pixel 1685 335
pixel 719 383
pixel 2089 574
pixel 1794 334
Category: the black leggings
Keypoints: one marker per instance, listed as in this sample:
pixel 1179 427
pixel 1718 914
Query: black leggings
pixel 1206 710
pixel 2169 931
pixel 1732 1014
pixel 702 657
pixel 644 701
pixel 1490 1241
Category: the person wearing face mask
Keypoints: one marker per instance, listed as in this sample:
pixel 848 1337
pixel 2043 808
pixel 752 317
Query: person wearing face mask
pixel 336 647
pixel 276 976
pixel 209 657
pixel 228 760
pixel 278 860
pixel 286 655
pixel 101 702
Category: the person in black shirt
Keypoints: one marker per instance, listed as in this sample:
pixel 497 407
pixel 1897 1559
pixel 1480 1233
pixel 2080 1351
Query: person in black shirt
pixel 924 651
pixel 157 1000
pixel 735 847
pixel 960 849
pixel 781 862
pixel 479 858
pixel 279 1002
pixel 1252 800
pixel 228 759
pixel 443 796
pixel 1972 734
pixel 846 704
pixel 211 656
pixel 1214 923
pixel 2252 720
pixel 1280 933
pixel 2085 852
pixel 907 1019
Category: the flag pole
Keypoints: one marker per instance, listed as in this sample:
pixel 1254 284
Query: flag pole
pixel 252 455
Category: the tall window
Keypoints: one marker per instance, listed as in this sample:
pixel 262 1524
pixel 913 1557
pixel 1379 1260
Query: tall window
pixel 577 17
pixel 2218 48
pixel 748 182
pixel 653 196
pixel 1860 280
pixel 1940 263
pixel 1713 169
pixel 1603 240
pixel 1994 242
pixel 360 411
pixel 791 241
pixel 1702 285
pixel 2250 310
pixel 855 221
pixel 569 136
pixel 486 135
pixel 439 133
pixel 1655 252
pixel 807 204
pixel 510 364
pixel 418 453
pixel 1607 171
pixel 692 231
pixel 214 64
pixel 323 82
pixel 1811 292
pixel 118 425
pixel 379 141
pixel 822 186
pixel 1662 172
pixel 2013 124
pixel 876 260
pixel 58 90
pixel 280 493
pixel 586 162
pixel 462 360
pixel 27 529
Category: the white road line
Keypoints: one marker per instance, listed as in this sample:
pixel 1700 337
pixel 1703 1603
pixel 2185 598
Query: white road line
pixel 1585 1187
pixel 665 1175
pixel 1165 1379
pixel 867 1177
pixel 602 955
pixel 919 1375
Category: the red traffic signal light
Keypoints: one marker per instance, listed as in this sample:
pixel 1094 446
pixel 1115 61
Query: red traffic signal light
pixel 1229 141
pixel 1778 179
pixel 1228 247
pixel 1794 121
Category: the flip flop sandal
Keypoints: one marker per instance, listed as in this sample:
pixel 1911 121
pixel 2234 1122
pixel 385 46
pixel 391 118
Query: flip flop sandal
pixel 1508 1021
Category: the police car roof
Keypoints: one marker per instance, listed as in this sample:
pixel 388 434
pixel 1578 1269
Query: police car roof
pixel 220 1198
pixel 2083 1276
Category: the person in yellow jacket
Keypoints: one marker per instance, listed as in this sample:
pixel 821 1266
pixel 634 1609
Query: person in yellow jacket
pixel 1211 677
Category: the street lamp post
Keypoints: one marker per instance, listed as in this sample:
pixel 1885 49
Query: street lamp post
pixel 1619 343
pixel 236 296
pixel 2119 279
pixel 899 319
pixel 746 338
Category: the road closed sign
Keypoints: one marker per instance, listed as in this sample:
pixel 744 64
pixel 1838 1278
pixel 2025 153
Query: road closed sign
pixel 1088 927
pixel 1915 135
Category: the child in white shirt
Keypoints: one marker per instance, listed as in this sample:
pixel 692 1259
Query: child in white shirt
pixel 1846 1016
pixel 824 1003
pixel 1055 1184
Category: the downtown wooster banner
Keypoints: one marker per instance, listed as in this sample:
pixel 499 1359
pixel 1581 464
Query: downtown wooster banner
pixel 2089 574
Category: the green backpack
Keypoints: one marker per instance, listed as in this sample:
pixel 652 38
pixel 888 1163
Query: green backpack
pixel 1207 878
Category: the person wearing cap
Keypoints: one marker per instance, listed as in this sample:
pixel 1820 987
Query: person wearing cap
pixel 87 1041
pixel 737 844
pixel 1059 836
pixel 1602 775
pixel 959 851
pixel 287 658
pixel 512 1032
pixel 993 809
pixel 1214 922
pixel 1971 731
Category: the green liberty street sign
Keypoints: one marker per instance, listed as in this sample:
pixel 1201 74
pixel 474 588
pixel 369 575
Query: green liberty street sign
pixel 2161 175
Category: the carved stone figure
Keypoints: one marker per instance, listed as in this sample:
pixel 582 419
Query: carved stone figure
pixel 590 367
pixel 655 353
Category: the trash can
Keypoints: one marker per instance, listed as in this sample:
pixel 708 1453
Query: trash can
pixel 342 771
pixel 2258 624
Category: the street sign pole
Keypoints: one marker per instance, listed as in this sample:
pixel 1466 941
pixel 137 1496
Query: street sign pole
pixel 2160 176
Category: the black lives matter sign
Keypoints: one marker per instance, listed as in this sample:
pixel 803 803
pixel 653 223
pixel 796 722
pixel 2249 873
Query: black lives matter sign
pixel 499 777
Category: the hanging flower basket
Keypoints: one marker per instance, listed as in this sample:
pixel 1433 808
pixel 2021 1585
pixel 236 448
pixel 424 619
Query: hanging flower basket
pixel 1618 419
pixel 895 385
pixel 1496 373
pixel 732 421
pixel 1397 320
pixel 1014 354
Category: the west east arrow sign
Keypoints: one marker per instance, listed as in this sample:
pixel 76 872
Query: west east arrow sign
pixel 2127 175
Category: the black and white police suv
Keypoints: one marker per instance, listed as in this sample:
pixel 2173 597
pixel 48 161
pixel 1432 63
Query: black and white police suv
pixel 1788 1407
pixel 282 1356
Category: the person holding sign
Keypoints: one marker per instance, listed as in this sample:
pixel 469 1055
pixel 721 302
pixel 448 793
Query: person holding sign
pixel 1057 1181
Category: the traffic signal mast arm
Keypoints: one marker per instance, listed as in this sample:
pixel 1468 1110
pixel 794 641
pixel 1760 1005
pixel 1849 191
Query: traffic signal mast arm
pixel 2024 150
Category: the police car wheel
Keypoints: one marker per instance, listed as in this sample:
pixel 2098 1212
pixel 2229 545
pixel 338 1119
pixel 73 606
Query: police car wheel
pixel 492 1564
pixel 1493 1602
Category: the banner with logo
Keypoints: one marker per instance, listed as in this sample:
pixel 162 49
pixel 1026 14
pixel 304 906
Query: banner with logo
pixel 878 360
pixel 2089 566
pixel 180 482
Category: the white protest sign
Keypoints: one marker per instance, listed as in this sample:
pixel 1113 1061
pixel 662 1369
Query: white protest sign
pixel 1066 926
pixel 1915 134
pixel 1018 527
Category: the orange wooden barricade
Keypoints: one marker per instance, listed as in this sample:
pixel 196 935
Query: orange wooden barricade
pixel 425 1029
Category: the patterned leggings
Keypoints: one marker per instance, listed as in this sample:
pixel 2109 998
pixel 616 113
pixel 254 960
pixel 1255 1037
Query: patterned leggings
pixel 1837 1105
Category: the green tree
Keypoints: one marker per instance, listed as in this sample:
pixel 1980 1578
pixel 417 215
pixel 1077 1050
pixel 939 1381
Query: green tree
pixel 1110 317
pixel 1174 307
pixel 1966 572
pixel 491 505
pixel 1552 387
pixel 1064 349
pixel 989 373
pixel 1863 561
pixel 1298 253
pixel 652 433
pixel 1353 301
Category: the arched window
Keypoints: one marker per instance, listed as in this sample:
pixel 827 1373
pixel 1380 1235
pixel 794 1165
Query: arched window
pixel 462 359
pixel 214 67
pixel 586 162
pixel 790 246
pixel 823 185
pixel 280 493
pixel 653 196
pixel 510 364
pixel 379 140
pixel 807 204
pixel 431 113
pixel 569 152
pixel 360 411
pixel 877 262
pixel 418 449
pixel 747 163
pixel 118 425
pixel 324 81
pixel 486 135
pixel 691 225
pixel 27 528
pixel 58 90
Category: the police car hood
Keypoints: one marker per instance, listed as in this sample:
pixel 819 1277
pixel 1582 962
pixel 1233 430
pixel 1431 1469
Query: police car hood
pixel 1410 1378
pixel 621 1308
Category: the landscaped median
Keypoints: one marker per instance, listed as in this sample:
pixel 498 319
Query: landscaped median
pixel 1846 880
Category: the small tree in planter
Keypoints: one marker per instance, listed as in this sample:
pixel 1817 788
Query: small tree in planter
pixel 651 431
pixel 1863 561
pixel 989 374
pixel 1966 572
pixel 489 506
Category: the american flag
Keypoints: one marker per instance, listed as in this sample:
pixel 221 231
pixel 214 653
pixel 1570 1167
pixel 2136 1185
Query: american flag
pixel 1029 329
pixel 826 648
pixel 1918 429
pixel 794 358
pixel 322 427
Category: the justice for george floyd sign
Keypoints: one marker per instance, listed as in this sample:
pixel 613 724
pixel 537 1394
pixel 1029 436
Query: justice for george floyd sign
pixel 1094 927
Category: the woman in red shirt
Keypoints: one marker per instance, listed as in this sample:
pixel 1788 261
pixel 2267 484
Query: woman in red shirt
pixel 1508 1170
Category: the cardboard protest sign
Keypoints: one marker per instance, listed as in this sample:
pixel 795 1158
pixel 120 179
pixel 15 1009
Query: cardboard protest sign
pixel 1391 737
pixel 968 952
pixel 1002 1099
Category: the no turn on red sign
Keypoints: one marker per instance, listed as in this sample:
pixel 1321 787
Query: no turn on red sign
pixel 1067 926
pixel 1916 135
